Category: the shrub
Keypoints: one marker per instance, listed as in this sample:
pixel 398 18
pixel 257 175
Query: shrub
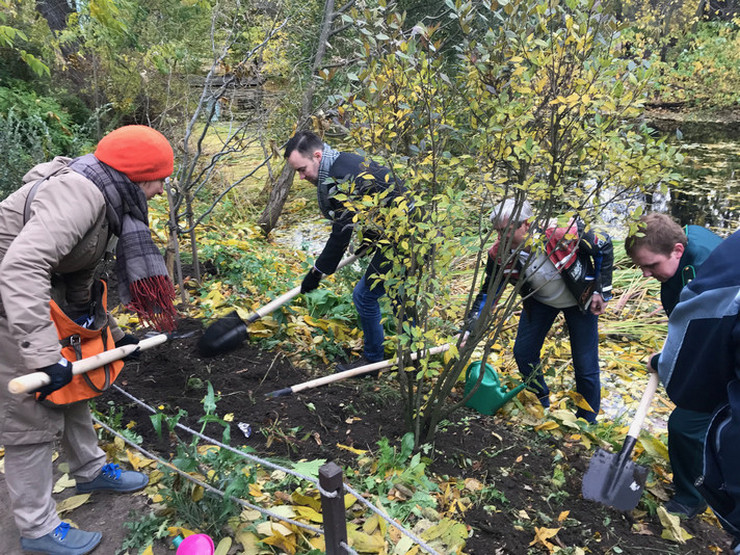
pixel 33 129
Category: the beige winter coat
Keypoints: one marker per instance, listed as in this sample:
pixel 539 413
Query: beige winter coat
pixel 54 254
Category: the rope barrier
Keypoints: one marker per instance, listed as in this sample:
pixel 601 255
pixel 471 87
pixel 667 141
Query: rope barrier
pixel 205 486
pixel 269 464
pixel 257 460
pixel 348 549
pixel 390 521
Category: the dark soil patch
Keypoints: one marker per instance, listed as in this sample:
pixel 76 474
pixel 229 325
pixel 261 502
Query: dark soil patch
pixel 521 464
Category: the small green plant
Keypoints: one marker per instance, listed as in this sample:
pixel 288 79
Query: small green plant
pixel 275 433
pixel 220 469
pixel 143 530
pixel 113 417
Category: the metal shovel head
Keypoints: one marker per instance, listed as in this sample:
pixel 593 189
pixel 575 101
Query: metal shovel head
pixel 613 484
pixel 224 335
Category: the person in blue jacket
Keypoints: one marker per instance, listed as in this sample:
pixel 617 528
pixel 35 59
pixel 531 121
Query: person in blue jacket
pixel 569 270
pixel 665 251
pixel 344 172
pixel 700 368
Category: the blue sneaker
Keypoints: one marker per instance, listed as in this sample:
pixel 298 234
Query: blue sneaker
pixel 112 478
pixel 63 540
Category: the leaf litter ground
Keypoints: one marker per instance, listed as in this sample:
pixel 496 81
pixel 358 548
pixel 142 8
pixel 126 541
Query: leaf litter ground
pixel 535 507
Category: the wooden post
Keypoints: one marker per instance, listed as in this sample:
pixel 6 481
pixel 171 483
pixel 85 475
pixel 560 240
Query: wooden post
pixel 332 508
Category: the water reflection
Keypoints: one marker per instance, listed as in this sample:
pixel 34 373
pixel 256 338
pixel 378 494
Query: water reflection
pixel 709 194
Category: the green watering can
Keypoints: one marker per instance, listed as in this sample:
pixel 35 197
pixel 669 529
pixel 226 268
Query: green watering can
pixel 490 395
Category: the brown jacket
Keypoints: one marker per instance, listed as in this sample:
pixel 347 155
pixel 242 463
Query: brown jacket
pixel 60 246
pixel 54 254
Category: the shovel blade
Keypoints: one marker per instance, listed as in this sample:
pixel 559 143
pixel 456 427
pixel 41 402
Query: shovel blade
pixel 611 484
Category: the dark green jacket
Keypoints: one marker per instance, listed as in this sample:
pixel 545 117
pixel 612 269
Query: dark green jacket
pixel 701 242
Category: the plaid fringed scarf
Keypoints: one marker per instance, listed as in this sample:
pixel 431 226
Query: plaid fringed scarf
pixel 144 285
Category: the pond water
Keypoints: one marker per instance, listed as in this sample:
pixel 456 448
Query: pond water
pixel 710 192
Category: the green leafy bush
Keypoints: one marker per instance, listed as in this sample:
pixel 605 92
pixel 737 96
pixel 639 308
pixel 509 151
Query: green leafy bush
pixel 33 129
pixel 704 67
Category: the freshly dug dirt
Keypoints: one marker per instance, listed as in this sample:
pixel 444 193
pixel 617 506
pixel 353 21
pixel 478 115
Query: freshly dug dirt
pixel 360 411
pixel 536 476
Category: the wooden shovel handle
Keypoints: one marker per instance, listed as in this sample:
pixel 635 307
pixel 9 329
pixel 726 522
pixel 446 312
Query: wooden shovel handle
pixel 647 398
pixel 350 373
pixel 285 297
pixel 30 382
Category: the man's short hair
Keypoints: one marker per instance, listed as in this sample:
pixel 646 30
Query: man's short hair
pixel 503 212
pixel 657 232
pixel 305 142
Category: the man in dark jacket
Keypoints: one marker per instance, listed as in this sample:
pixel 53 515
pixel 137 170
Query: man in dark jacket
pixel 700 368
pixel 673 255
pixel 333 172
pixel 569 272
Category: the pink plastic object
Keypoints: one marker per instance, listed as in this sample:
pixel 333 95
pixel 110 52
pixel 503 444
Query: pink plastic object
pixel 196 544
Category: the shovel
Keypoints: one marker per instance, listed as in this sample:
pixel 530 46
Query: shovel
pixel 229 332
pixel 615 480
pixel 31 382
pixel 372 367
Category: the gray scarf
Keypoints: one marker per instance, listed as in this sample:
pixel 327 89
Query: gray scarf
pixel 324 185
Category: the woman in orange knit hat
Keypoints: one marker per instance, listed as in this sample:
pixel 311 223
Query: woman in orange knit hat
pixel 53 236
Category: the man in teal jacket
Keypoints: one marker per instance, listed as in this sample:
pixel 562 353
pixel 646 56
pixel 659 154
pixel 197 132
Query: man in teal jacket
pixel 672 255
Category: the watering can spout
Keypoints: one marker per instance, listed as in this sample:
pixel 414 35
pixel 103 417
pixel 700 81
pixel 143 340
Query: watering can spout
pixel 507 396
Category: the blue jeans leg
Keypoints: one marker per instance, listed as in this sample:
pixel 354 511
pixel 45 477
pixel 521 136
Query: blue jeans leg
pixel 584 347
pixel 534 323
pixel 366 296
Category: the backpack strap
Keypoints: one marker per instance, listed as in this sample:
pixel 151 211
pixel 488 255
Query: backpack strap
pixel 29 199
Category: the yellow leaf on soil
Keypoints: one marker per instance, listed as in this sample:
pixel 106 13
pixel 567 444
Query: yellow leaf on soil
pixel 286 543
pixel 197 494
pixel 148 550
pixel 308 513
pixel 285 511
pixel 365 542
pixel 541 535
pixel 63 483
pixel 223 546
pixel 549 425
pixel 271 528
pixel 371 524
pixel 654 446
pixel 672 527
pixel 306 500
pixel 351 449
pixel 71 503
pixel 137 462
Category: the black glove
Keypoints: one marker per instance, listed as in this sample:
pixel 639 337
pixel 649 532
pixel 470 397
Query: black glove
pixel 60 374
pixel 129 339
pixel 311 281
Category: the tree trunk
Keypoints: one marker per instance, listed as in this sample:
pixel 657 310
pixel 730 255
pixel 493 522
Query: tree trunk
pixel 278 196
pixel 279 193
pixel 172 252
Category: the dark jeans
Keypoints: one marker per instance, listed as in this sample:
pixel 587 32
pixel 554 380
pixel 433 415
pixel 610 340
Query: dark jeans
pixel 366 297
pixel 686 431
pixel 535 322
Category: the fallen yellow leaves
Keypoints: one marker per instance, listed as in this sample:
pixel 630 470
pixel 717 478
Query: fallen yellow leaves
pixel 542 535
pixel 71 503
pixel 672 529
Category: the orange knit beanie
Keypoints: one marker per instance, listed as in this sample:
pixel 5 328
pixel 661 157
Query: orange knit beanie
pixel 137 151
